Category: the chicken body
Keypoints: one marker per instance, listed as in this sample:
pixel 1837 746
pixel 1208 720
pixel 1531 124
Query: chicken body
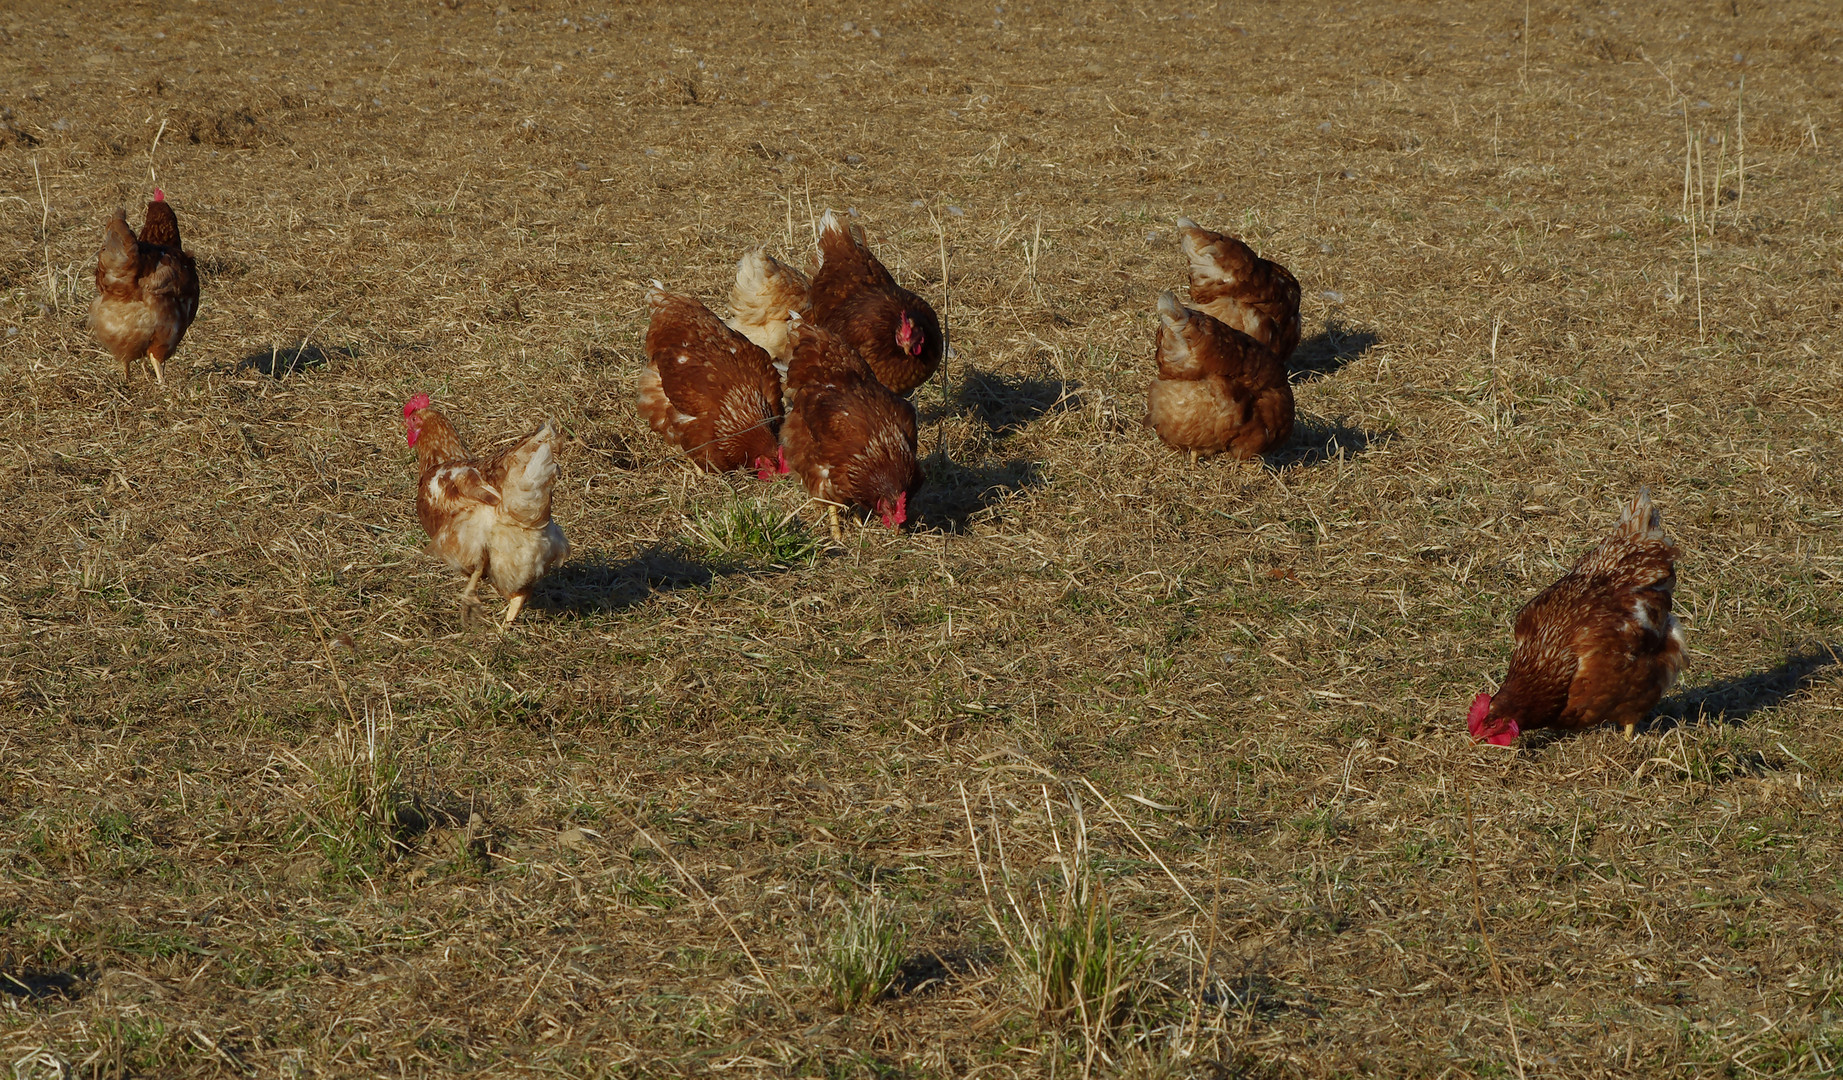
pixel 1598 646
pixel 854 297
pixel 487 518
pixel 709 390
pixel 766 291
pixel 146 289
pixel 1233 284
pixel 850 438
pixel 1218 390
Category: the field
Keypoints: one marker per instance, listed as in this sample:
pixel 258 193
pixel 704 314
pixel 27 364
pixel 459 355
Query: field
pixel 730 799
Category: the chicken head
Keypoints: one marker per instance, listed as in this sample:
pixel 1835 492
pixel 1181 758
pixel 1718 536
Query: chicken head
pixel 893 514
pixel 909 337
pixel 411 422
pixel 770 469
pixel 1501 732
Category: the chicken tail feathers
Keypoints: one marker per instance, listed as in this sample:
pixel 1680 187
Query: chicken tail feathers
pixel 1172 313
pixel 1175 352
pixel 1641 520
pixel 120 256
pixel 767 294
pixel 837 239
pixel 530 470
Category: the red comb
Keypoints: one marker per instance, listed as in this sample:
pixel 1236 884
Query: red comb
pixel 159 196
pixel 420 401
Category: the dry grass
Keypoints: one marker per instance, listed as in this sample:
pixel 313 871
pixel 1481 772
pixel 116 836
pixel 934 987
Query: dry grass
pixel 614 840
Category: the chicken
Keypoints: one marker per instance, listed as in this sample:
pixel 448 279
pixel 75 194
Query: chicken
pixel 146 289
pixel 851 440
pixel 766 290
pixel 1600 645
pixel 708 390
pixel 1217 388
pixel 487 518
pixel 854 297
pixel 1229 281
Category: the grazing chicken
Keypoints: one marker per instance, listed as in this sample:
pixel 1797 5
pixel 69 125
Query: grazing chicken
pixel 851 440
pixel 708 390
pixel 1229 281
pixel 146 289
pixel 487 518
pixel 1600 645
pixel 766 291
pixel 854 297
pixel 1217 389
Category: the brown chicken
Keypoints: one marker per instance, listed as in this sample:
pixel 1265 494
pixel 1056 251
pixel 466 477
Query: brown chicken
pixel 766 291
pixel 1217 389
pixel 146 289
pixel 1229 281
pixel 854 297
pixel 1600 645
pixel 708 390
pixel 487 518
pixel 848 436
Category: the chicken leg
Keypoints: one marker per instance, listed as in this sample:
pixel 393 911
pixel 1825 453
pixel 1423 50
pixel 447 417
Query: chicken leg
pixel 838 532
pixel 513 607
pixel 1631 732
pixel 467 594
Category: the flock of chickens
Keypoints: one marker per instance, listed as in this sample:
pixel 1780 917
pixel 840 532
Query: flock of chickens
pixel 809 376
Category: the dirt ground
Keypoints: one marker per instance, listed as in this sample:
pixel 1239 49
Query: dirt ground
pixel 272 803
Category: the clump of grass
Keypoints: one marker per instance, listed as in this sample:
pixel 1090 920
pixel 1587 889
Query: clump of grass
pixel 360 820
pixel 1074 958
pixel 863 954
pixel 752 532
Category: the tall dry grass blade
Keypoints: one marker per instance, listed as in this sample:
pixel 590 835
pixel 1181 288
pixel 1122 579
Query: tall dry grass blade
pixel 1740 147
pixel 44 234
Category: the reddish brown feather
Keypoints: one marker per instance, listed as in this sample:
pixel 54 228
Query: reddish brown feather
pixel 854 297
pixel 1584 655
pixel 146 288
pixel 850 439
pixel 1218 390
pixel 721 403
pixel 1233 284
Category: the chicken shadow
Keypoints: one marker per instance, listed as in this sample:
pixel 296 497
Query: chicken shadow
pixel 1733 701
pixel 278 363
pixel 953 493
pixel 35 985
pixel 1006 403
pixel 1325 352
pixel 1315 443
pixel 595 583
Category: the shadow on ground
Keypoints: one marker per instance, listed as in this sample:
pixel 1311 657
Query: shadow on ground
pixel 36 985
pixel 278 363
pixel 1733 701
pixel 1328 350
pixel 596 583
pixel 1006 403
pixel 1316 442
pixel 954 492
